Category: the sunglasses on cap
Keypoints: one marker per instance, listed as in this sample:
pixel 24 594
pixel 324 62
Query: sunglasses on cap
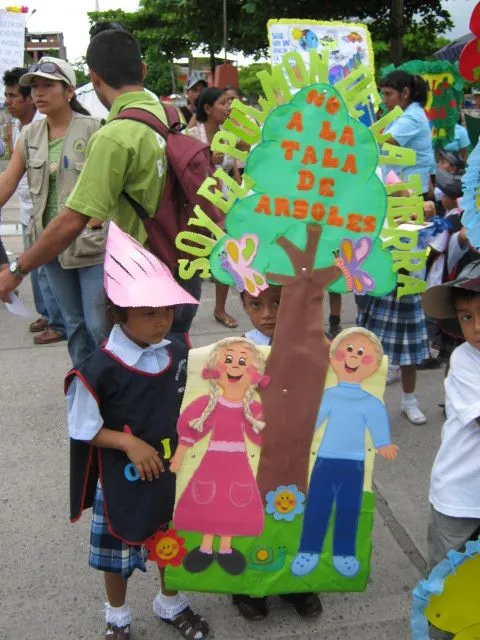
pixel 48 67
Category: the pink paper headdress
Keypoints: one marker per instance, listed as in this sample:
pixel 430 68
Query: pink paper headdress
pixel 134 277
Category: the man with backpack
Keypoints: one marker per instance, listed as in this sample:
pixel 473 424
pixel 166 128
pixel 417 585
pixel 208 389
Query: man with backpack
pixel 126 169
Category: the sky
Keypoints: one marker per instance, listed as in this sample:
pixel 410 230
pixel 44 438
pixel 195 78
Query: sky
pixel 70 16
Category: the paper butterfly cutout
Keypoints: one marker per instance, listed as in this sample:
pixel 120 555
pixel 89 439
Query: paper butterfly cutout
pixel 236 259
pixel 349 258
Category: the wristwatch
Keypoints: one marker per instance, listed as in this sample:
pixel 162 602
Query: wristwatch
pixel 16 269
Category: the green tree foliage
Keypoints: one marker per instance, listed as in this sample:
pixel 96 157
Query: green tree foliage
pixel 81 71
pixel 420 43
pixel 173 27
pixel 376 13
pixel 161 37
pixel 248 82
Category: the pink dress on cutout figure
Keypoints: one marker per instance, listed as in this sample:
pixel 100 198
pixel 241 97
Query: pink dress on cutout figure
pixel 222 496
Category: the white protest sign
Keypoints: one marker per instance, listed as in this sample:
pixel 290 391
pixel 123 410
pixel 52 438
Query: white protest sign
pixel 349 46
pixel 349 43
pixel 12 42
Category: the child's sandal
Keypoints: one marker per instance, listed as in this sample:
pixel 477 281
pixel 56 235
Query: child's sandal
pixel 191 625
pixel 117 633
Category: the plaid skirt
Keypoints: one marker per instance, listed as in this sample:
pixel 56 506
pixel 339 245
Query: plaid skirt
pixel 400 326
pixel 108 553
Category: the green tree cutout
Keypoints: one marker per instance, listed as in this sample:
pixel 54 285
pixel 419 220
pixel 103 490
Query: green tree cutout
pixel 315 187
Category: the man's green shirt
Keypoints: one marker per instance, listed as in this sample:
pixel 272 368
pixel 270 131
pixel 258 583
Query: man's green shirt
pixel 123 156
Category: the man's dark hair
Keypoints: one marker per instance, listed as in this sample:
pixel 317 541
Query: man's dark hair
pixel 116 57
pixel 11 78
pixel 99 27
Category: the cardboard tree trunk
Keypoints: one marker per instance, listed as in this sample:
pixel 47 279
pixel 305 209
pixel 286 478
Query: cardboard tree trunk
pixel 297 368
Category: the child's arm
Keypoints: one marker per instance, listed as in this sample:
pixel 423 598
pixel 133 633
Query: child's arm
pixel 462 386
pixel 145 457
pixel 85 423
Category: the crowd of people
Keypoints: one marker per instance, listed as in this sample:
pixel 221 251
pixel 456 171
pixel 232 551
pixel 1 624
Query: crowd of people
pixel 64 156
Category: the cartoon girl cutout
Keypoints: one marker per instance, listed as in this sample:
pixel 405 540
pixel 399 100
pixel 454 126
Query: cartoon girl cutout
pixel 222 498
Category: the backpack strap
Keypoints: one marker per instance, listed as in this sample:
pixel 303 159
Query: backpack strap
pixel 152 121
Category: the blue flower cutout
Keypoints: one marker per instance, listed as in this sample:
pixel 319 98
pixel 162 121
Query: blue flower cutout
pixel 285 502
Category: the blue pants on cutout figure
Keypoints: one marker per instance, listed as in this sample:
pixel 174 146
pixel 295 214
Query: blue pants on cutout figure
pixel 334 482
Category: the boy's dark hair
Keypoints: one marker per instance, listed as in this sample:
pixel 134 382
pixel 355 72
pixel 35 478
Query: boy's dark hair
pixel 459 293
pixel 270 286
pixel 114 314
pixel 231 87
pixel 207 97
pixel 398 80
pixel 11 78
pixel 116 57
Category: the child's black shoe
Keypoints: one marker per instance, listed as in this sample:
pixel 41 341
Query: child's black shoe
pixel 307 605
pixel 252 609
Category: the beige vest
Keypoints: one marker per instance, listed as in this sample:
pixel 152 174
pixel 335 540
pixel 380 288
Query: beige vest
pixel 89 248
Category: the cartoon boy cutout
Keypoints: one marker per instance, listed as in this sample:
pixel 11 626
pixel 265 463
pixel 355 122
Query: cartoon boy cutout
pixel 338 474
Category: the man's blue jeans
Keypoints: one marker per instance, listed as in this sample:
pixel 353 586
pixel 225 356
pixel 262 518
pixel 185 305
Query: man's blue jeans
pixel 80 295
pixel 43 297
pixel 338 482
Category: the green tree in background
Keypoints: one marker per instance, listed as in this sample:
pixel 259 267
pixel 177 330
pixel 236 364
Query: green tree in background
pixel 249 84
pixel 168 29
pixel 81 71
pixel 419 43
pixel 160 36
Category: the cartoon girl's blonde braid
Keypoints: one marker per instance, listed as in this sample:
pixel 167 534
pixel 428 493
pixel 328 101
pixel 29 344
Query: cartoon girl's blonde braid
pixel 198 423
pixel 257 425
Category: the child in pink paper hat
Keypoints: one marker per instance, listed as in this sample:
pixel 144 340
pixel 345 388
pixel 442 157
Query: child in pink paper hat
pixel 123 405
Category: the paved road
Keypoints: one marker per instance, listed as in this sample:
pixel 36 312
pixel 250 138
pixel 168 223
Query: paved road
pixel 47 591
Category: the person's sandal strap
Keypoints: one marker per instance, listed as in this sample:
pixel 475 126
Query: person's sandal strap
pixel 117 633
pixel 191 625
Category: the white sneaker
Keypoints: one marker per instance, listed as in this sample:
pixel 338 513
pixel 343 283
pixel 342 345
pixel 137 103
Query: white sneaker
pixel 393 374
pixel 412 412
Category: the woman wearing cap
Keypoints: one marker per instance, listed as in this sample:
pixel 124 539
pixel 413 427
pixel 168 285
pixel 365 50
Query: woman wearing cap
pixel 212 109
pixel 52 152
pixel 195 85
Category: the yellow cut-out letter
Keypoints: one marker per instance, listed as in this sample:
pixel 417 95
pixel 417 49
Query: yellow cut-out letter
pixel 226 142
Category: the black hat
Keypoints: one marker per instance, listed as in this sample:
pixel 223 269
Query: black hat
pixel 449 183
pixel 438 301
pixel 454 158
